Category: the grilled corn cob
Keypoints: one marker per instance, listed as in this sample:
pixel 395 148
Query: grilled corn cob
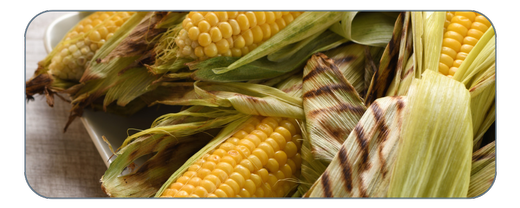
pixel 80 44
pixel 257 161
pixel 462 32
pixel 209 34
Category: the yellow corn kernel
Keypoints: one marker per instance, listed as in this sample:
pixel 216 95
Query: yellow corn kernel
pixel 249 167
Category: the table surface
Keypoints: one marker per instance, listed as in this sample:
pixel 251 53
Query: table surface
pixel 57 164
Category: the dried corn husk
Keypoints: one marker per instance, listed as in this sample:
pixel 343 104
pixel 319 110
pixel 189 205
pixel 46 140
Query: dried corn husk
pixel 391 63
pixel 434 158
pixel 172 139
pixel 248 98
pixel 362 167
pixel 332 106
pixel 427 38
pixel 482 170
pixel 350 59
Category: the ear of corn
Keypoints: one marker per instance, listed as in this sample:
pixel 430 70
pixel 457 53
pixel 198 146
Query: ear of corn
pixel 304 26
pixel 63 67
pixel 262 68
pixel 434 159
pixel 260 159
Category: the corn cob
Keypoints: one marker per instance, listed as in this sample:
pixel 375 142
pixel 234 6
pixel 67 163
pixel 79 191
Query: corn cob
pixel 80 44
pixel 258 161
pixel 462 30
pixel 209 34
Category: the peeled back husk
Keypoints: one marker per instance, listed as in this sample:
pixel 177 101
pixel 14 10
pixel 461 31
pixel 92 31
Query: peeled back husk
pixel 164 147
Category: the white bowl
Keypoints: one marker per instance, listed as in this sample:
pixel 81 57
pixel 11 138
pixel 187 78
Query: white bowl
pixel 98 124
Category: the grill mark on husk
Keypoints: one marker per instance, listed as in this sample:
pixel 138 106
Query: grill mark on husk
pixel 346 171
pixel 327 90
pixel 325 181
pixel 342 107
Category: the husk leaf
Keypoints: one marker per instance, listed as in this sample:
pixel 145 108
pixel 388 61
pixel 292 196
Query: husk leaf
pixel 427 34
pixel 434 159
pixel 483 170
pixel 248 98
pixel 479 60
pixel 362 167
pixel 331 104
pixel 351 59
pixel 366 28
pixel 387 69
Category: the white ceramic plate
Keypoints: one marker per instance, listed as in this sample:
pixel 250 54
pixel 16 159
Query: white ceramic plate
pixel 97 123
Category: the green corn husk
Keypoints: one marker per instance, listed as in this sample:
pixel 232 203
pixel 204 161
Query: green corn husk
pixel 171 140
pixel 362 167
pixel 366 28
pixel 482 170
pixel 262 68
pixel 434 158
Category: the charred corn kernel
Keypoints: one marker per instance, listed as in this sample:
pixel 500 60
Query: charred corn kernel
pixel 462 32
pixel 249 167
pixel 81 43
pixel 246 31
